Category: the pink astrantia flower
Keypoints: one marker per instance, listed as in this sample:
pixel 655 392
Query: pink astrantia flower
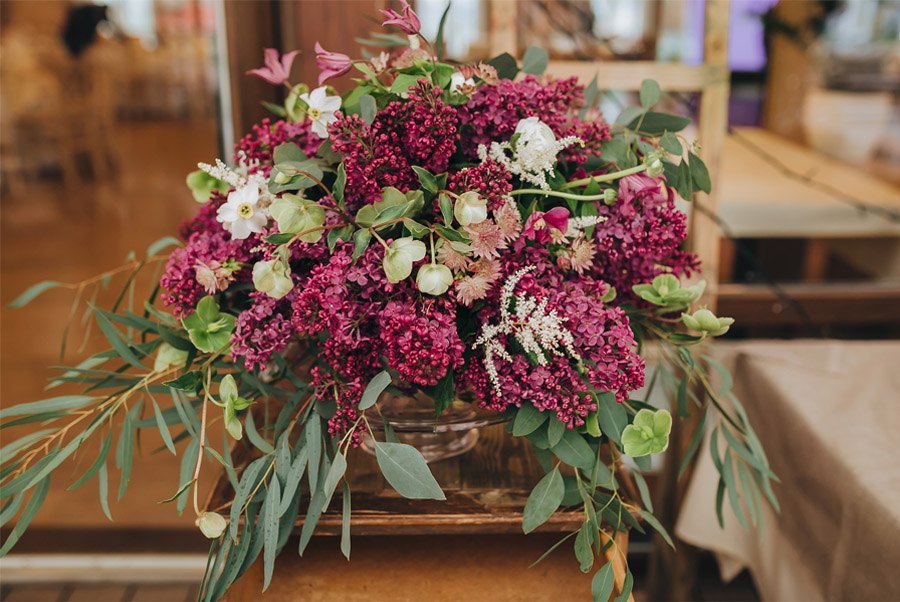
pixel 331 64
pixel 408 21
pixel 274 70
pixel 540 224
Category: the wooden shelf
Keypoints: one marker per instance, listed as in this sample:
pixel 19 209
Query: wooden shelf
pixel 486 491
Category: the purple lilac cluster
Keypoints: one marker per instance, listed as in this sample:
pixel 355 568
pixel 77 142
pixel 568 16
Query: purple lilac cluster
pixel 266 136
pixel 421 131
pixel 494 110
pixel 641 237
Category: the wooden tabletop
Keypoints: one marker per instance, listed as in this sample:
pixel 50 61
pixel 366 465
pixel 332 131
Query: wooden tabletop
pixel 758 200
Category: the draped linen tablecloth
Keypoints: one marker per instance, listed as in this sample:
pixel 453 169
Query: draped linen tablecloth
pixel 828 415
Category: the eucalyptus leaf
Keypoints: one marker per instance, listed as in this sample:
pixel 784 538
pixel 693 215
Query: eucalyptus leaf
pixel 584 552
pixel 543 501
pixel 602 583
pixel 374 389
pixel 406 471
pixel 574 450
pixel 335 474
pixel 535 61
pixel 270 530
pixel 528 419
pixel 32 292
pixel 367 108
pixel 649 93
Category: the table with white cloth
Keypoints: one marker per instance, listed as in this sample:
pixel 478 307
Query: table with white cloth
pixel 828 415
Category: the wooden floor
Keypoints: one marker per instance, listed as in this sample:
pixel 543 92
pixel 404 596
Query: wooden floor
pixel 99 592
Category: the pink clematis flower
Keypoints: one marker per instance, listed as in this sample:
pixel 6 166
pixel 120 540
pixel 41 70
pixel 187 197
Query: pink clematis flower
pixel 408 21
pixel 331 64
pixel 539 224
pixel 275 71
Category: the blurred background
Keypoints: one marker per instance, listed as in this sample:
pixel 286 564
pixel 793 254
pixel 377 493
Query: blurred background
pixel 105 107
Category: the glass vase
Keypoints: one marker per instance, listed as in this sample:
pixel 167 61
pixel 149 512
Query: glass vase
pixel 413 420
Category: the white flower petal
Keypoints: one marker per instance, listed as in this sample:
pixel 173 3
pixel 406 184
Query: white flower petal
pixel 331 104
pixel 240 229
pixel 319 129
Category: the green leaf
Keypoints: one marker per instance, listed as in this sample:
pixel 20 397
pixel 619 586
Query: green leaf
pixel 583 550
pixel 334 476
pixel 699 173
pixel 254 436
pixel 31 508
pixel 574 450
pixel 602 583
pixel 625 594
pixel 374 389
pixel 650 93
pixel 270 530
pixel 446 206
pixel 648 434
pixel 313 433
pixel 245 487
pixel 10 449
pixel 178 493
pixel 163 429
pixel 361 241
pixel 100 461
pixel 404 82
pixel 612 417
pixel 345 523
pixel 162 243
pixel 696 439
pixel 185 472
pixel 653 522
pixel 656 124
pixel 535 61
pixel 367 108
pixel 670 143
pixel 208 328
pixel 53 404
pixel 426 179
pixel 643 489
pixel 528 419
pixel 629 115
pixel 125 448
pixel 543 501
pixel 103 490
pixel 189 382
pixel 292 480
pixel 288 151
pixel 506 66
pixel 555 431
pixel 314 511
pixel 115 339
pixel 406 471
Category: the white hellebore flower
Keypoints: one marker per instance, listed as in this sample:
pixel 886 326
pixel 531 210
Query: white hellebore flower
pixel 212 524
pixel 459 83
pixel 241 215
pixel 400 256
pixel 536 135
pixel 321 110
pixel 273 278
pixel 470 209
pixel 434 279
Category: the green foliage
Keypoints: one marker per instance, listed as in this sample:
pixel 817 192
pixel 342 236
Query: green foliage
pixel 506 66
pixel 543 501
pixel 649 94
pixel 375 387
pixel 535 61
pixel 202 185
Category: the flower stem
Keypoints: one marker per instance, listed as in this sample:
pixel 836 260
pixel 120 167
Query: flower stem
pixel 607 177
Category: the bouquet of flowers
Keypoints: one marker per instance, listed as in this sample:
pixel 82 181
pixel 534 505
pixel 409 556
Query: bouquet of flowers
pixel 468 231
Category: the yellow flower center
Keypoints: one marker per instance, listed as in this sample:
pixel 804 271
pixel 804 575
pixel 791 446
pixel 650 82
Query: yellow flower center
pixel 245 210
pixel 314 113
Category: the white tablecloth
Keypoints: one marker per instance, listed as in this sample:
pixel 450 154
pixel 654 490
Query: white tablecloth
pixel 828 414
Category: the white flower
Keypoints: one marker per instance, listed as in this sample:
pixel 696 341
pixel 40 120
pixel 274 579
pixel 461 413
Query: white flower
pixel 321 110
pixel 536 134
pixel 241 215
pixel 470 209
pixel 212 524
pixel 460 83
pixel 434 279
pixel 400 256
pixel 534 155
pixel 273 278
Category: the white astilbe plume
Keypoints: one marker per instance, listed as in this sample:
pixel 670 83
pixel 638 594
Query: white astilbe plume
pixel 538 331
pixel 239 176
pixel 577 225
pixel 530 162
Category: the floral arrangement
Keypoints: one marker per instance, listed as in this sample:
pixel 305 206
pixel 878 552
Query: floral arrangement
pixel 475 232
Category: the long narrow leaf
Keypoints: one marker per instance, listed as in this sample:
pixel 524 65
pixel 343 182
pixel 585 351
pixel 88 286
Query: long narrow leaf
pixel 31 508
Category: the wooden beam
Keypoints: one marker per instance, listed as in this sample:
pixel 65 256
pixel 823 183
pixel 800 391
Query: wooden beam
pixel 822 304
pixel 502 27
pixel 628 75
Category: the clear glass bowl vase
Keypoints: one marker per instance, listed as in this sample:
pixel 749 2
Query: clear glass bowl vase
pixel 413 421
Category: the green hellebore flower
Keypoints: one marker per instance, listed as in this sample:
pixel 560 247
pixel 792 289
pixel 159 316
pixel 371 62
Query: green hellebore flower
pixel 202 185
pixel 470 209
pixel 273 278
pixel 706 322
pixel 648 433
pixel 666 291
pixel 212 524
pixel 168 356
pixel 434 279
pixel 296 214
pixel 400 256
pixel 233 403
pixel 208 328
